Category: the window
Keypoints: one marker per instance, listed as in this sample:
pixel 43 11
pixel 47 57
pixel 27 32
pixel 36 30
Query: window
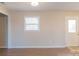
pixel 71 25
pixel 31 23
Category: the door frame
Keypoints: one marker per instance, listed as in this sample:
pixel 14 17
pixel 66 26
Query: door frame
pixel 66 27
pixel 6 35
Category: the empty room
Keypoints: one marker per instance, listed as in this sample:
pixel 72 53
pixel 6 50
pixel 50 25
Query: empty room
pixel 39 28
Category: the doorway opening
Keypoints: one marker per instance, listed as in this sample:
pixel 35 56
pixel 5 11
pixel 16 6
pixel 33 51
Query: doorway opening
pixel 3 31
pixel 72 31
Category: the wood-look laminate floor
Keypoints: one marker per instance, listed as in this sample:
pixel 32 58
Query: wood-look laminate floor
pixel 3 51
pixel 37 52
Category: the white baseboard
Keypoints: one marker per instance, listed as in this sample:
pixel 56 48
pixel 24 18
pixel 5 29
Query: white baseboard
pixel 38 47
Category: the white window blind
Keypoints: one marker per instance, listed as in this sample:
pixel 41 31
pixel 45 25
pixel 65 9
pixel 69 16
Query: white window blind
pixel 31 23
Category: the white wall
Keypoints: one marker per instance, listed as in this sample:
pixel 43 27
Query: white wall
pixel 51 34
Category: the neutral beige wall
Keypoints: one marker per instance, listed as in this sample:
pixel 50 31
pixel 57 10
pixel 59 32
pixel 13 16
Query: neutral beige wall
pixel 51 34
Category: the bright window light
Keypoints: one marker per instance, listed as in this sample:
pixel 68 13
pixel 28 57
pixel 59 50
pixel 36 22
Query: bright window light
pixel 31 23
pixel 72 26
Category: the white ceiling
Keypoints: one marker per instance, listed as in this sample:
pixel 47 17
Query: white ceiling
pixel 43 6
